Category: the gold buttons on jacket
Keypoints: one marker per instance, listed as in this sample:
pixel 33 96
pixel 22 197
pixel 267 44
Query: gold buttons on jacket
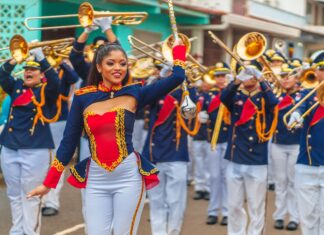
pixel 250 150
pixel 11 117
pixel 224 128
pixel 250 127
pixel 251 138
pixel 10 129
pixel 309 136
pixel 234 146
pixel 309 148
pixel 17 91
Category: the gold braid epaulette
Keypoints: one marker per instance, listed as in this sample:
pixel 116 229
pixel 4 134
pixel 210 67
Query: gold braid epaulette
pixel 180 63
pixel 85 90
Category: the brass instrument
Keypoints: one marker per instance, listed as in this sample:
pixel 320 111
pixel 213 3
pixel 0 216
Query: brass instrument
pixel 19 47
pixel 252 46
pixel 86 15
pixel 194 70
pixel 308 78
pixel 320 95
pixel 188 109
pixel 143 68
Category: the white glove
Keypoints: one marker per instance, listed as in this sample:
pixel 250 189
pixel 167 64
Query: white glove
pixel 249 73
pixel 37 53
pixel 104 23
pixel 90 28
pixel 166 69
pixel 203 117
pixel 229 78
pixel 295 117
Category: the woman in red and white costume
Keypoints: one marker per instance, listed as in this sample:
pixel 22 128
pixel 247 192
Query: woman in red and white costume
pixel 115 176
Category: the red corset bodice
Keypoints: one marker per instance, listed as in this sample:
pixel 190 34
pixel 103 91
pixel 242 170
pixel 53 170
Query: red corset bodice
pixel 107 135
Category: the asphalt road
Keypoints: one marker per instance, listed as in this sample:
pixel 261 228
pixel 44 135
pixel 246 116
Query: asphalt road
pixel 70 218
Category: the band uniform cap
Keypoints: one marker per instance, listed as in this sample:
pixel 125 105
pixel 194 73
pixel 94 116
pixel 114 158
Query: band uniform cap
pixel 32 64
pixel 318 59
pixel 221 68
pixel 276 56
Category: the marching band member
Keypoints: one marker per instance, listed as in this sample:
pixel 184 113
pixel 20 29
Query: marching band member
pixel 199 151
pixel 167 146
pixel 26 139
pixel 216 161
pixel 284 150
pixel 67 77
pixel 309 170
pixel 252 123
pixel 114 176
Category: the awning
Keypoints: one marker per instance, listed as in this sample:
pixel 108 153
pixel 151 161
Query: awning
pixel 244 22
pixel 260 25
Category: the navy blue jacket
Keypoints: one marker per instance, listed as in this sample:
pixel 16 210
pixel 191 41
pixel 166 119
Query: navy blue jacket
pixel 244 146
pixel 213 112
pixel 311 150
pixel 202 133
pixel 160 145
pixel 69 78
pixel 282 134
pixel 77 59
pixel 17 132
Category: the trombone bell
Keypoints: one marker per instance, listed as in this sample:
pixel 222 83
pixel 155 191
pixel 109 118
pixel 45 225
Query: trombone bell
pixel 18 47
pixel 251 46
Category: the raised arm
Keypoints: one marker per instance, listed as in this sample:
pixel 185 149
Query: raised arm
pixel 153 92
pixel 228 94
pixel 270 99
pixel 7 82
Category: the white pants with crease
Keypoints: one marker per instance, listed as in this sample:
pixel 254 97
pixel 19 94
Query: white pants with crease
pixel 114 200
pixel 284 158
pixel 218 187
pixel 168 200
pixel 309 181
pixel 52 199
pixel 201 170
pixel 139 135
pixel 249 181
pixel 23 170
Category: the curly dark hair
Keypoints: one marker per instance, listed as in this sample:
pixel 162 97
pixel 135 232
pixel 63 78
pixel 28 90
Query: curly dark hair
pixel 94 77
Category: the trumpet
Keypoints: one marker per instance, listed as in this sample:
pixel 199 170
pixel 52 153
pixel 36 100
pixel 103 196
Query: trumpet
pixel 320 95
pixel 19 47
pixel 86 15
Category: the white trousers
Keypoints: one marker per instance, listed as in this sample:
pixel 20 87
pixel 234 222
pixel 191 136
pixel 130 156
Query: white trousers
pixel 284 159
pixel 218 188
pixel 168 200
pixel 191 161
pixel 52 199
pixel 309 181
pixel 201 170
pixel 271 177
pixel 23 170
pixel 251 181
pixel 114 200
pixel 139 135
pixel 84 153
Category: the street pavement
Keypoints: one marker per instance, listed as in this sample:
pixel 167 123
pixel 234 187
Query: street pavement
pixel 69 220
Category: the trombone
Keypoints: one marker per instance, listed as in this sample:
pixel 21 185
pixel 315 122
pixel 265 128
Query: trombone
pixel 86 15
pixel 194 69
pixel 19 47
pixel 320 96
